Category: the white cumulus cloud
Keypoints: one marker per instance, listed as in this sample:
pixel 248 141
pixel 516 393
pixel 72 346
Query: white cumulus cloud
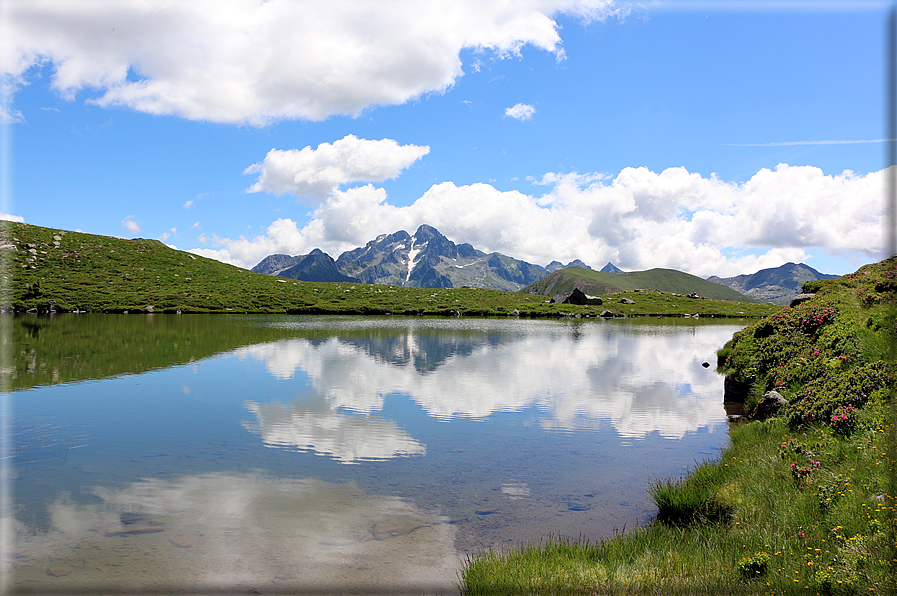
pixel 318 172
pixel 638 219
pixel 251 62
pixel 8 217
pixel 520 111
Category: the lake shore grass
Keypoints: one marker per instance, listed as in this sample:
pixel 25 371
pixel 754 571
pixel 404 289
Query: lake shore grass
pixel 800 503
pixel 47 270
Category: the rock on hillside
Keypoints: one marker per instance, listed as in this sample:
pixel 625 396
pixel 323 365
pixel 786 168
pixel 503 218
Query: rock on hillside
pixel 777 285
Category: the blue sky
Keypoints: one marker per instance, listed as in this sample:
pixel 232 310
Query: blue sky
pixel 711 137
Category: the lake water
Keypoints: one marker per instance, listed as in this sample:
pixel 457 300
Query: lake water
pixel 292 454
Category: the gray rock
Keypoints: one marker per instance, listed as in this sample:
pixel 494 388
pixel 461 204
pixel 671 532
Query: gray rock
pixel 606 314
pixel 769 406
pixel 626 301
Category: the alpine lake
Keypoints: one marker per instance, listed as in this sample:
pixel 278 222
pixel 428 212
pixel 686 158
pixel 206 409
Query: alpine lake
pixel 302 454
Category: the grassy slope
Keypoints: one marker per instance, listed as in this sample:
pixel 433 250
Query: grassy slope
pixel 598 283
pixel 801 503
pixel 76 271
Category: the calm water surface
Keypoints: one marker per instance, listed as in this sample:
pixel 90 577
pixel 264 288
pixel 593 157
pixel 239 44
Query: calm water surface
pixel 295 453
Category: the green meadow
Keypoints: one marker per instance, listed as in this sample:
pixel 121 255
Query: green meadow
pixel 46 269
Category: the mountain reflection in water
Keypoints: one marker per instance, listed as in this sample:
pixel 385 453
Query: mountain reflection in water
pixel 642 379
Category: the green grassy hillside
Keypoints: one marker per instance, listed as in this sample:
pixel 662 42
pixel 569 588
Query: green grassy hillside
pixel 597 283
pixel 54 270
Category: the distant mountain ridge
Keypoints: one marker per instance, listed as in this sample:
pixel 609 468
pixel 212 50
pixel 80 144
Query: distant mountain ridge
pixel 777 285
pixel 561 283
pixel 611 268
pixel 315 266
pixel 426 259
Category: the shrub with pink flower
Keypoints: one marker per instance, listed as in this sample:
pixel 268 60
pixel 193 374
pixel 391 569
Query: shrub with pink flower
pixel 843 420
pixel 799 473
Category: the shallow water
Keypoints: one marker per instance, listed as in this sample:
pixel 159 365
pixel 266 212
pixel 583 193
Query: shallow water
pixel 338 453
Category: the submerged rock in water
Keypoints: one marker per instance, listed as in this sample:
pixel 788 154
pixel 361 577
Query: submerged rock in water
pixel 396 526
pixel 59 571
pixel 575 506
pixel 184 540
pixel 133 525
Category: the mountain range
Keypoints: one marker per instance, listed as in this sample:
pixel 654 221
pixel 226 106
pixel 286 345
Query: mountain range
pixel 426 259
pixel 777 285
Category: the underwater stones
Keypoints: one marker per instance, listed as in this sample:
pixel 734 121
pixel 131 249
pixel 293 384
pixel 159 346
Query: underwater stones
pixel 131 529
pixel 398 525
pixel 578 506
pixel 132 525
pixel 59 570
pixel 184 540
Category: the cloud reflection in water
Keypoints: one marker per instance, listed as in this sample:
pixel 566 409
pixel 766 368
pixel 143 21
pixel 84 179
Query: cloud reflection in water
pixel 639 378
pixel 311 425
pixel 224 531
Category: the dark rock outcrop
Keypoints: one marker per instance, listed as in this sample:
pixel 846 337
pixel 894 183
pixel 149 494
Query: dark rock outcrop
pixel 800 298
pixel 734 391
pixel 579 297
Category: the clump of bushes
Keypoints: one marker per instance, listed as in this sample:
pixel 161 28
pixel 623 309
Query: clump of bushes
pixel 754 565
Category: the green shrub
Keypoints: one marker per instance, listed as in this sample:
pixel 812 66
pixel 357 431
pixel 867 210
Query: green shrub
pixel 818 400
pixel 812 286
pixel 754 566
